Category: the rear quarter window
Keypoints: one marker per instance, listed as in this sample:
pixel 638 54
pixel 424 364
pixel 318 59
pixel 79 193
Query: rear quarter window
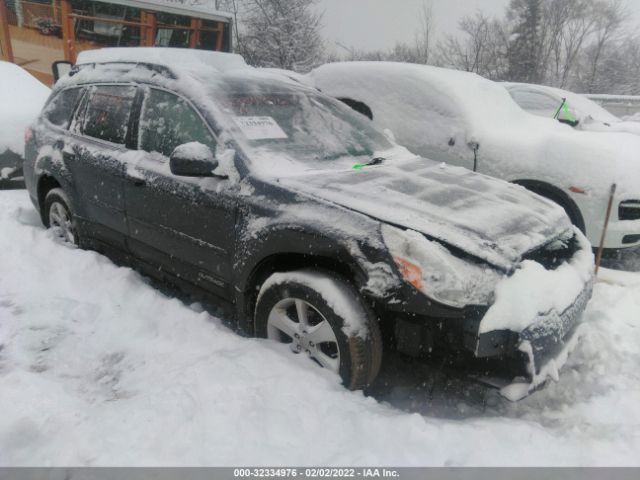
pixel 61 107
pixel 108 112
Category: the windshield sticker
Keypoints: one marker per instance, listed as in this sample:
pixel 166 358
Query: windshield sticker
pixel 260 128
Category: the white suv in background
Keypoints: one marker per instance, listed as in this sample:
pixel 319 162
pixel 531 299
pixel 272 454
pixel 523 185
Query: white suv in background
pixel 463 119
pixel 568 107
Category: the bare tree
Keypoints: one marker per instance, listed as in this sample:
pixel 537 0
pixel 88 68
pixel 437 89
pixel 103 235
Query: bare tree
pixel 609 18
pixel 277 33
pixel 233 7
pixel 481 48
pixel 424 36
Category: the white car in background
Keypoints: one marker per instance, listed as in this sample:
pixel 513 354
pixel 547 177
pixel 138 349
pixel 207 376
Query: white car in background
pixel 463 119
pixel 568 107
pixel 21 99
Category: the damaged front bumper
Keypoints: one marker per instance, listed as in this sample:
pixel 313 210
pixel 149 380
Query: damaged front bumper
pixel 543 346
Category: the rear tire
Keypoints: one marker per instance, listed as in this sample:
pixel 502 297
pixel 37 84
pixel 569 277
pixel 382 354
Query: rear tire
pixel 59 217
pixel 293 310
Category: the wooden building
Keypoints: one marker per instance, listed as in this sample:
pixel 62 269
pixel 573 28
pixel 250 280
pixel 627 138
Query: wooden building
pixel 36 31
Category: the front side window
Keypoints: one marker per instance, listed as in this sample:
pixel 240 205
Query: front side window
pixel 168 121
pixel 108 112
pixel 59 110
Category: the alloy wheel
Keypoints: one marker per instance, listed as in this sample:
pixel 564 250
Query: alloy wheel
pixel 306 330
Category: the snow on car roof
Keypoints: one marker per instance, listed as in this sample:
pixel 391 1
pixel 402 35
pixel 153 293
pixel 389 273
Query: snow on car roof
pixel 452 92
pixel 22 98
pixel 167 57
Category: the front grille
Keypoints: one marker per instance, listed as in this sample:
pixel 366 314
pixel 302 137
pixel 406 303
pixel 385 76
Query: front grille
pixel 629 210
pixel 554 254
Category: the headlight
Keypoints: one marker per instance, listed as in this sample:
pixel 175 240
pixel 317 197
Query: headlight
pixel 434 271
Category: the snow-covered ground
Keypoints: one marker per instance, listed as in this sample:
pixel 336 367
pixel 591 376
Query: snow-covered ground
pixel 97 367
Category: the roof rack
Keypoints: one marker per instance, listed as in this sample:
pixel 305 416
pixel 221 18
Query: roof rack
pixel 170 58
pixel 160 69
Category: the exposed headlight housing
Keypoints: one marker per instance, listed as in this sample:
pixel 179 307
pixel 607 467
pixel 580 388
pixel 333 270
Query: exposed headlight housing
pixel 430 268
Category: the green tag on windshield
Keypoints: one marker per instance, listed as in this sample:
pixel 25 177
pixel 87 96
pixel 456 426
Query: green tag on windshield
pixel 565 109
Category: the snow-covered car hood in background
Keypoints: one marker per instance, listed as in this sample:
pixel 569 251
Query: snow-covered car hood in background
pixel 487 218
pixel 592 125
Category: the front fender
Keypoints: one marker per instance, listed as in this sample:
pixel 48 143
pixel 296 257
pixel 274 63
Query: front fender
pixel 269 245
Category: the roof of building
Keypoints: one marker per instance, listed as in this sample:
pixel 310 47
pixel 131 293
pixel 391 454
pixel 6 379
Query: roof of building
pixel 205 9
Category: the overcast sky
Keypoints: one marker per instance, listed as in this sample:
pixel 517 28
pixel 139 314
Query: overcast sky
pixel 379 24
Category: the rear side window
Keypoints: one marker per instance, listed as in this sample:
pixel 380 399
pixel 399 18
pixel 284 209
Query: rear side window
pixel 168 121
pixel 60 109
pixel 108 112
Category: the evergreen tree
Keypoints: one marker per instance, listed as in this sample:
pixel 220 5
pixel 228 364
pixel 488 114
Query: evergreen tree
pixel 525 44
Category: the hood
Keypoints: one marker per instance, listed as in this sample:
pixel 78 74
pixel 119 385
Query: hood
pixel 487 218
pixel 620 127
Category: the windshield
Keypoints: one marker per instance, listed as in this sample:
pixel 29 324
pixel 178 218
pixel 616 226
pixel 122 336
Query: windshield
pixel 277 121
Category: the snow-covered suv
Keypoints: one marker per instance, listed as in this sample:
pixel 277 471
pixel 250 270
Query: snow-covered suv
pixel 291 209
pixel 463 119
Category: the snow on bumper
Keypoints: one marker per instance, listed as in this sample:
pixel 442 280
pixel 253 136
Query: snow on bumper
pixel 542 309
pixel 547 345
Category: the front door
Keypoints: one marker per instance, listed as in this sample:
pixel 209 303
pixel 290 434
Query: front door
pixel 183 225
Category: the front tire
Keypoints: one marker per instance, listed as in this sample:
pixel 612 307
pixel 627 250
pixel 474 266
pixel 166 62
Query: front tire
pixel 58 216
pixel 321 315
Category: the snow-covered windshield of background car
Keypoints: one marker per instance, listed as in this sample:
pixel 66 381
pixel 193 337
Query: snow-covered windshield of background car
pixel 304 126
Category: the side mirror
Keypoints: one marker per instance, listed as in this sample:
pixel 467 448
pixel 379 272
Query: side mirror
pixel 193 160
pixel 60 69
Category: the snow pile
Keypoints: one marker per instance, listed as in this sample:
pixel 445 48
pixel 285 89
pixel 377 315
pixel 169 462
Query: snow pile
pixel 538 291
pixel 22 98
pixel 99 368
pixel 632 118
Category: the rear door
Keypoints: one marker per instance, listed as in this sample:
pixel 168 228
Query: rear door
pixel 101 137
pixel 183 225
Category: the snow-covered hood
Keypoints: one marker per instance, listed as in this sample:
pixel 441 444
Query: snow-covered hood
pixel 594 125
pixel 487 218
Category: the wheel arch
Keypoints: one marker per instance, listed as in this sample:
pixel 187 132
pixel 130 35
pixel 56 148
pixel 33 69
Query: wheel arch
pixel 45 184
pixel 247 295
pixel 558 196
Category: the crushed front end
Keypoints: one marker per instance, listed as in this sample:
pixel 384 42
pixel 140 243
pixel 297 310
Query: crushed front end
pixel 528 318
